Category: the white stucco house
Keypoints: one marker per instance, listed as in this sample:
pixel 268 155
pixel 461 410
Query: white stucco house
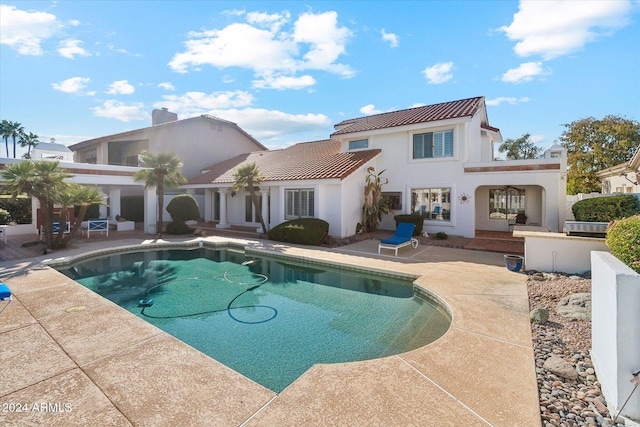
pixel 622 178
pixel 439 162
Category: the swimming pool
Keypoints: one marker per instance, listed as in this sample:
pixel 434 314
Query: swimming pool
pixel 271 330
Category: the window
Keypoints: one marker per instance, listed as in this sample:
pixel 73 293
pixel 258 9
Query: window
pixel 433 144
pixel 394 199
pixel 91 156
pixel 360 143
pixel 432 203
pixel 299 203
pixel 131 161
pixel 506 203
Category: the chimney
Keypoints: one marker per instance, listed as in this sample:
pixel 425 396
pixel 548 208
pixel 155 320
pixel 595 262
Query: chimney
pixel 162 116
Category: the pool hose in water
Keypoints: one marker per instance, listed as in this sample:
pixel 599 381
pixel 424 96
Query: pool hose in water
pixel 147 302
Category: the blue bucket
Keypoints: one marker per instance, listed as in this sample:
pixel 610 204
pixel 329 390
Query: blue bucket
pixel 513 262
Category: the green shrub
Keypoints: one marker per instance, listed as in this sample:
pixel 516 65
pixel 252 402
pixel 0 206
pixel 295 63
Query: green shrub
pixel 178 227
pixel 623 239
pixel 19 209
pixel 305 231
pixel 441 235
pixel 5 218
pixel 93 211
pixel 183 207
pixel 606 209
pixel 418 220
pixel 132 208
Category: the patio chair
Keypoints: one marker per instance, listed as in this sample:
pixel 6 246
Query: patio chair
pixel 402 238
pixel 5 296
pixel 95 225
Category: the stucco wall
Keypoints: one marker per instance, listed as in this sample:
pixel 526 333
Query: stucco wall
pixel 615 295
pixel 556 252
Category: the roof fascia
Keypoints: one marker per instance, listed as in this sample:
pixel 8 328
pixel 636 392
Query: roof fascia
pixel 405 128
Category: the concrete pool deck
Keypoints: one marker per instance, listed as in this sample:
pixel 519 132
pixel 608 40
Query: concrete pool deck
pixel 71 357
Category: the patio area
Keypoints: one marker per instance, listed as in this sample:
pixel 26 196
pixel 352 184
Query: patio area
pixel 71 357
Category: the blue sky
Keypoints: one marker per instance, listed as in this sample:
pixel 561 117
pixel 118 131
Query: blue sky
pixel 286 72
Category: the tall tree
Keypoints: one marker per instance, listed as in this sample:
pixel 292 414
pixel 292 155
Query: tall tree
pixel 43 180
pixel 28 140
pixel 521 148
pixel 13 130
pixel 4 132
pixel 596 144
pixel 248 177
pixel 164 171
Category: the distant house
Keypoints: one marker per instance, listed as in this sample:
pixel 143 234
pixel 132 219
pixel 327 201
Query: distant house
pixel 622 178
pixel 197 141
pixel 439 163
pixel 51 151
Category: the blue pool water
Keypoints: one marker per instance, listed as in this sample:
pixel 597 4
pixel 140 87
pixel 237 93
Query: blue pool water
pixel 272 330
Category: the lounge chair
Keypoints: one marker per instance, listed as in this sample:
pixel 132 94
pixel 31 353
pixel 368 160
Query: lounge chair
pixel 402 238
pixel 5 296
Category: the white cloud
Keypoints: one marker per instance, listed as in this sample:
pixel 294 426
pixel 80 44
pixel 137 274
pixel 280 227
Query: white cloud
pixel 196 103
pixel 70 48
pixel 555 28
pixel 284 82
pixel 506 99
pixel 24 31
pixel 393 39
pixel 327 42
pixel 113 109
pixel 273 52
pixel 261 123
pixel 71 85
pixel 439 73
pixel 121 87
pixel 167 86
pixel 525 73
pixel 274 21
pixel 370 109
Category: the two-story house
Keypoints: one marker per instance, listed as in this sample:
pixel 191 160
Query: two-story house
pixel 439 162
pixel 197 141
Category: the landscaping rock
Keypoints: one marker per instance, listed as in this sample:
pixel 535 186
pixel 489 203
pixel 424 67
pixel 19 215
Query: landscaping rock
pixel 560 367
pixel 575 306
pixel 539 315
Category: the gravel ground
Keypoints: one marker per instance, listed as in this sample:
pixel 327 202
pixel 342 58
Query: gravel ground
pixel 565 402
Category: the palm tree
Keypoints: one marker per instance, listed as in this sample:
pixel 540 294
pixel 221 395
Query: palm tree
pixel 42 180
pixel 13 130
pixel 29 140
pixel 163 172
pixel 75 195
pixel 4 132
pixel 249 176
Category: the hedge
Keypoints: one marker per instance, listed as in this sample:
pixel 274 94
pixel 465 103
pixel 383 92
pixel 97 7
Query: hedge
pixel 606 209
pixel 418 220
pixel 623 239
pixel 304 231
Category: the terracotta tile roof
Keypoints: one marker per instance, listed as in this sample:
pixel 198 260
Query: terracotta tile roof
pixel 429 113
pixel 306 160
